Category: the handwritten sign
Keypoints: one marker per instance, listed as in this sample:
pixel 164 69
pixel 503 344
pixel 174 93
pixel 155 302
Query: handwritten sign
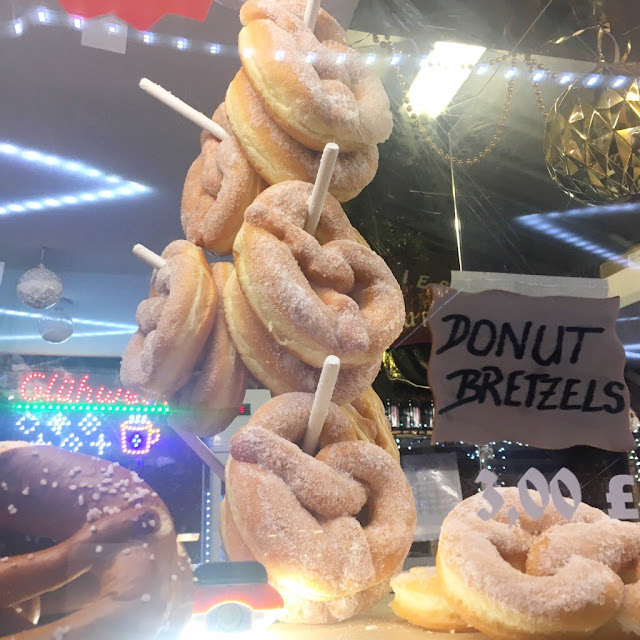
pixel 544 371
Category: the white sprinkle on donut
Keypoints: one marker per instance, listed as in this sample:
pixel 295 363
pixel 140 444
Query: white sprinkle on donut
pixel 12 509
pixel 93 514
pixel 81 500
pixel 146 597
pixel 99 548
pixel 43 482
pixel 25 491
pixel 54 484
pixel 4 486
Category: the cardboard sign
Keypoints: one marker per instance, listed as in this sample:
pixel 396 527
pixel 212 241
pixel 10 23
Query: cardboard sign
pixel 543 371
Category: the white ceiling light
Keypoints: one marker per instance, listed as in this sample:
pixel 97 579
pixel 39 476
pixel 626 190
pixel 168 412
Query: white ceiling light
pixel 118 186
pixel 442 74
pixel 124 328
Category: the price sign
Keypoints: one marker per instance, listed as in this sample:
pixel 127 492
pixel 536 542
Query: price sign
pixel 548 492
pixel 544 371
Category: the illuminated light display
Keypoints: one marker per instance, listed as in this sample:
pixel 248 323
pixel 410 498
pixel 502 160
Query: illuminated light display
pixel 100 408
pixel 72 442
pixel 540 222
pixel 118 187
pixel 57 423
pixel 126 328
pixel 57 387
pixel 100 444
pixel 138 435
pixel 86 436
pixel 94 423
pixel 28 423
pixel 89 424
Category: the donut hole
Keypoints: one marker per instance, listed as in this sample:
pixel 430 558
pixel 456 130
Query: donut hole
pixel 365 515
pixel 518 561
pixel 630 572
pixel 15 543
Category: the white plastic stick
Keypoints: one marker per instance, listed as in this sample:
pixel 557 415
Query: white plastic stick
pixel 321 186
pixel 311 13
pixel 183 108
pixel 320 407
pixel 203 452
pixel 148 256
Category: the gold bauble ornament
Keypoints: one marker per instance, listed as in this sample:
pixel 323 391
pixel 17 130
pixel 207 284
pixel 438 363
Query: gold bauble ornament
pixel 592 138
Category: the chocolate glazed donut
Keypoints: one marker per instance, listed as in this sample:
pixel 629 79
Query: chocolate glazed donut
pixel 109 524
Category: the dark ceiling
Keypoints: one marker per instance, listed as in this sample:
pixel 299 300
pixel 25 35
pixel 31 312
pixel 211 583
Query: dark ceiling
pixel 77 102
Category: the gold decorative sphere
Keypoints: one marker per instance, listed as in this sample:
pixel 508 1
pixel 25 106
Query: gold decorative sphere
pixel 592 138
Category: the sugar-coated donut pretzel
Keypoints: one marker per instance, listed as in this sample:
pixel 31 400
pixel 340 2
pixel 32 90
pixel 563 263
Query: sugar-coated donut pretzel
pixel 612 543
pixel 111 524
pixel 319 295
pixel 219 186
pixel 481 567
pixel 297 608
pixel 332 96
pixel 174 323
pixel 279 157
pixel 297 514
pixel 210 401
pixel 420 599
pixel 369 420
pixel 302 610
pixel 274 366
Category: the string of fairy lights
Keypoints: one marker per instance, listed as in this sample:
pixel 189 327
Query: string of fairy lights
pixel 42 16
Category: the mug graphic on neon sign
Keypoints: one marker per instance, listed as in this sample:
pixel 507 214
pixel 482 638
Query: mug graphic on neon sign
pixel 138 435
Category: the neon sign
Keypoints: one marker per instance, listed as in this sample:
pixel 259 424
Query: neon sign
pixel 63 387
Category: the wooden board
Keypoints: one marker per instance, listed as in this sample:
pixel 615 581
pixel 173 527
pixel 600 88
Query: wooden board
pixel 380 622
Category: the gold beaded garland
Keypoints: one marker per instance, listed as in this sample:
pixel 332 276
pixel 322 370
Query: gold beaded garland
pixel 533 66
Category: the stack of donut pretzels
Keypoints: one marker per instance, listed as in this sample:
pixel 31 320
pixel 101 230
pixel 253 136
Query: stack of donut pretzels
pixel 293 297
pixel 331 529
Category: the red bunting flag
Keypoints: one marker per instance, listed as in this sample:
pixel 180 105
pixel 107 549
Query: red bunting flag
pixel 140 14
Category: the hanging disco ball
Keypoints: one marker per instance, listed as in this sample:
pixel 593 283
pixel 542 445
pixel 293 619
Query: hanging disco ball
pixel 56 326
pixel 592 137
pixel 39 288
